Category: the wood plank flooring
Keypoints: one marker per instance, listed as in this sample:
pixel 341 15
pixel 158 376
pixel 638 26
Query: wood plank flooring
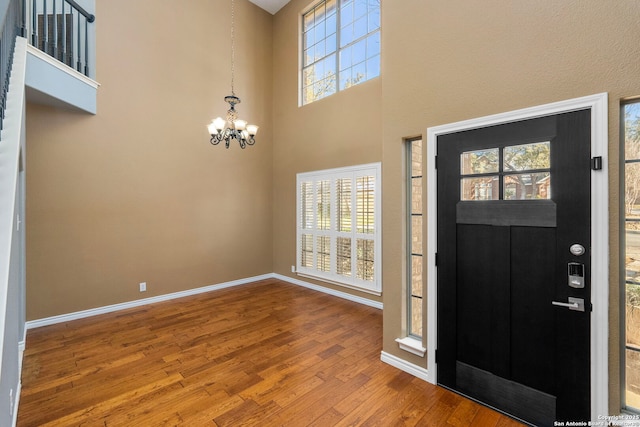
pixel 264 354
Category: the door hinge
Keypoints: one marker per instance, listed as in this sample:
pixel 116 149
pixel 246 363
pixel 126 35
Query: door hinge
pixel 437 360
pixel 436 160
pixel 436 260
pixel 596 163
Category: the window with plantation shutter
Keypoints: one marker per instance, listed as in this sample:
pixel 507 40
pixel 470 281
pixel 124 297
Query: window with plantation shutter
pixel 338 226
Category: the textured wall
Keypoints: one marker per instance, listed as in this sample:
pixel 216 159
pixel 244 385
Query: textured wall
pixel 344 129
pixel 137 193
pixel 456 60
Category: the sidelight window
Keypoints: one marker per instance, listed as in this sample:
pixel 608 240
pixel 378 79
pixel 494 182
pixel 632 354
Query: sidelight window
pixel 517 172
pixel 631 286
pixel 414 252
pixel 415 246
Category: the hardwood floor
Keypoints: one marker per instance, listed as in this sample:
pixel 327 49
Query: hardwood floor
pixel 268 354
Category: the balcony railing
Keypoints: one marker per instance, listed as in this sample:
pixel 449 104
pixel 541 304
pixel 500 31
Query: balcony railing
pixel 61 29
pixel 12 26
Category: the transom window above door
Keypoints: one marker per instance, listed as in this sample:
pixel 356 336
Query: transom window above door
pixel 517 172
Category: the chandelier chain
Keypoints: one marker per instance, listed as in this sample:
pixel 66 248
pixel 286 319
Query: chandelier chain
pixel 233 47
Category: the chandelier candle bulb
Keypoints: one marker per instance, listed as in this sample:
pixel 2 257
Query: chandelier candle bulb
pixel 252 129
pixel 240 124
pixel 219 123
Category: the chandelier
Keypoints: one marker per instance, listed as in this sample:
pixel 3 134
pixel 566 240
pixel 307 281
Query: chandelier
pixel 232 128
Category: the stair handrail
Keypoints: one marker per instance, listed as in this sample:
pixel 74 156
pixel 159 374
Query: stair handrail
pixel 90 17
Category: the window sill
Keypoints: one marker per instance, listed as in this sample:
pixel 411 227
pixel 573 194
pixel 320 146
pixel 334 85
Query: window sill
pixel 411 345
pixel 335 282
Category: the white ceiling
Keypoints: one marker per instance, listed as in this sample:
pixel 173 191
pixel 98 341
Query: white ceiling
pixel 271 6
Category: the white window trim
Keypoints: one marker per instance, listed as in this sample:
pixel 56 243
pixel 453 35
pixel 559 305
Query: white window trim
pixel 371 169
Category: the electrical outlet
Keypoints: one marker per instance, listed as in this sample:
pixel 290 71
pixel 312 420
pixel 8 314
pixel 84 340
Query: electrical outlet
pixel 143 286
pixel 293 268
pixel 11 402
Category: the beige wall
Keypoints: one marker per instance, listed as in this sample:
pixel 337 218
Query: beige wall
pixel 137 193
pixel 445 61
pixel 344 129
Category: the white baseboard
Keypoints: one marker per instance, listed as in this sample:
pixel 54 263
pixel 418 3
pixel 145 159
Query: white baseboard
pixel 21 346
pixel 16 405
pixel 137 303
pixel 403 365
pixel 32 324
pixel 16 402
pixel 23 341
pixel 343 295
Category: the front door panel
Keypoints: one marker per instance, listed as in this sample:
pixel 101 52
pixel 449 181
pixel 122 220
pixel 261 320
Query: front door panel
pixel 512 200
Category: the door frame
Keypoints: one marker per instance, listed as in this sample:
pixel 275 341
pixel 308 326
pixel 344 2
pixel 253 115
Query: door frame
pixel 598 104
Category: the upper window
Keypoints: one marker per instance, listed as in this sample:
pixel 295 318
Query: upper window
pixel 338 232
pixel 340 46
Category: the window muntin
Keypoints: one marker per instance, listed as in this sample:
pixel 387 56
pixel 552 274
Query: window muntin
pixel 415 244
pixel 479 162
pixel 631 256
pixel 527 186
pixel 527 157
pixel 517 172
pixel 340 46
pixel 481 188
pixel 339 240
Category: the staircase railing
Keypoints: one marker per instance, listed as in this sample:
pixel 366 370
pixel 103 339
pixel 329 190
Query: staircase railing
pixel 12 26
pixel 60 28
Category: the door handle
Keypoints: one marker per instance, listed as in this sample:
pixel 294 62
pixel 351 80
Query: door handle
pixel 576 304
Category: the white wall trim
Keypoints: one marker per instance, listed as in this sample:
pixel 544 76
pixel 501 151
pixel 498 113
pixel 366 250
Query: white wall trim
pixel 16 405
pixel 335 293
pixel 32 324
pixel 412 345
pixel 598 104
pixel 403 365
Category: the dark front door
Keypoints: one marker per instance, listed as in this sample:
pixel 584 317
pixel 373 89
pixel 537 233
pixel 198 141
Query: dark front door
pixel 513 287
